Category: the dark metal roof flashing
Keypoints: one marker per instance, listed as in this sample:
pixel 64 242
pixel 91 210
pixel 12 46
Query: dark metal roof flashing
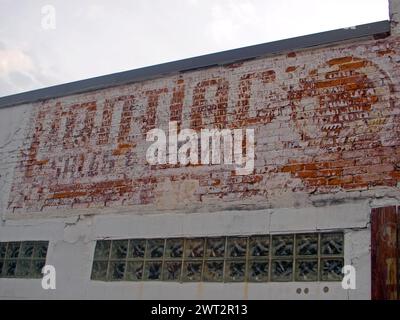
pixel 370 30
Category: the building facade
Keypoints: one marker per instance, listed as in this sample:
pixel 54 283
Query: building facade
pixel 78 192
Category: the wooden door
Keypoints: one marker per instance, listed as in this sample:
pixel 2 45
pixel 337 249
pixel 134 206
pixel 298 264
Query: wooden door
pixel 385 249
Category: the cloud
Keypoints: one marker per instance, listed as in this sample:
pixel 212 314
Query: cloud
pixel 91 12
pixel 14 60
pixel 231 19
pixel 21 71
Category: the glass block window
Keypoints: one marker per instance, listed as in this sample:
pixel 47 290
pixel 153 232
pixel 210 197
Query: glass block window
pixel 258 258
pixel 22 259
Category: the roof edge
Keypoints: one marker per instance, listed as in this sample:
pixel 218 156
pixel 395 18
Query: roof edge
pixel 204 61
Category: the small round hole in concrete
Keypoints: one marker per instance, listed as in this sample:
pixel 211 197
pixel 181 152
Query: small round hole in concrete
pixel 326 289
pixel 306 290
pixel 298 290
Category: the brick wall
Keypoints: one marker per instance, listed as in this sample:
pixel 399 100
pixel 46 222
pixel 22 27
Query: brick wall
pixel 326 120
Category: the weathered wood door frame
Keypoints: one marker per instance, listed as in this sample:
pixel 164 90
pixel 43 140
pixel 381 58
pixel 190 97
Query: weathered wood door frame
pixel 385 253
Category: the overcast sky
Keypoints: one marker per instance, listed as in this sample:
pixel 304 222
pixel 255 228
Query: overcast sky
pixel 93 38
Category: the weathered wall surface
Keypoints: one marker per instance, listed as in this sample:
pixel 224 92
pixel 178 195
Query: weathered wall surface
pixel 72 243
pixel 326 121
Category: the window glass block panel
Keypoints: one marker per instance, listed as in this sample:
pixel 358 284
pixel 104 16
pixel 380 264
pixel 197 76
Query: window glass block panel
pixel 194 248
pixel 119 249
pixel 23 268
pixel 36 268
pixel 282 245
pixel 40 250
pixel 331 269
pixel 174 249
pixel 192 270
pixel 27 249
pixel 152 270
pixel 332 243
pixel 307 244
pixel 235 271
pixel 214 271
pixel 136 249
pixel 282 270
pixel 306 270
pixel 134 271
pixel 237 247
pixel 258 271
pixel 259 246
pixel 13 249
pixel 3 247
pixel 215 248
pixel 99 270
pixel 102 251
pixel 17 259
pixel 117 270
pixel 172 270
pixel 300 257
pixel 9 268
pixel 155 248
